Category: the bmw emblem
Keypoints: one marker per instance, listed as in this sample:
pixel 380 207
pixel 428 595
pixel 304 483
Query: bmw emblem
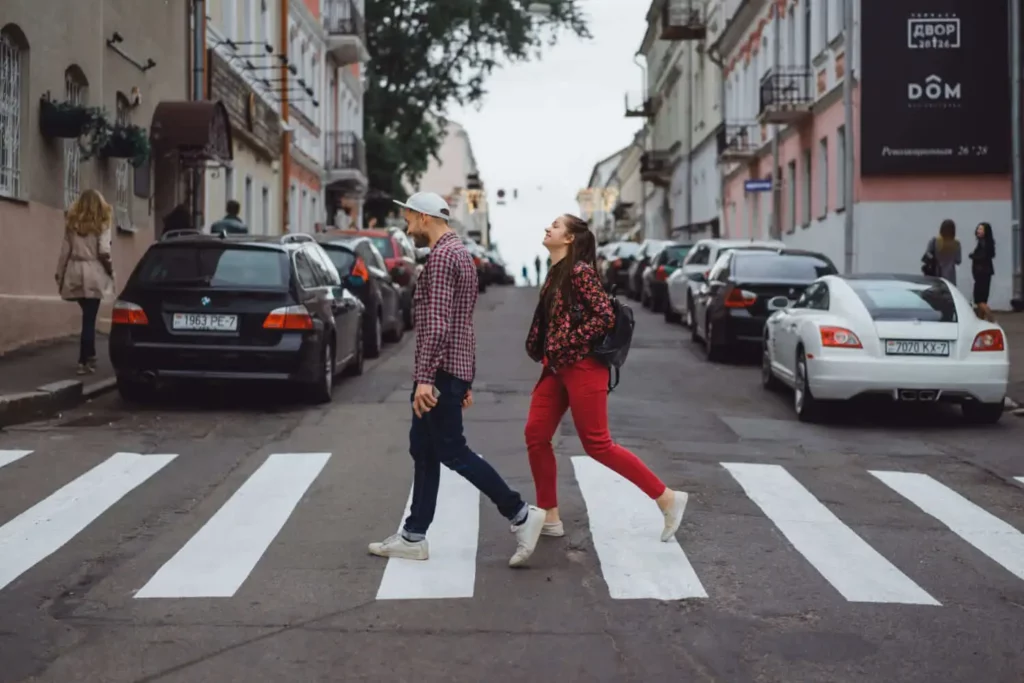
pixel 205 301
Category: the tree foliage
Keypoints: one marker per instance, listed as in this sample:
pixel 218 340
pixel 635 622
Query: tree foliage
pixel 426 55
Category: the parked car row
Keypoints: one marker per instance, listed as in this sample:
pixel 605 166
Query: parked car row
pixel 831 338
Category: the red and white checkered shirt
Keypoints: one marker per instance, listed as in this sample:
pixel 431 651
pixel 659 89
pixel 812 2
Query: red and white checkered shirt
pixel 445 298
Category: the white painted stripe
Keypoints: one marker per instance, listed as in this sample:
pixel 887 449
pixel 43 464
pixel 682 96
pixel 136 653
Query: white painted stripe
pixel 451 570
pixel 625 525
pixel 7 457
pixel 42 529
pixel 1020 479
pixel 986 532
pixel 221 555
pixel 853 567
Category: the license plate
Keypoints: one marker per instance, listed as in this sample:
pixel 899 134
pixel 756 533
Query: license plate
pixel 913 347
pixel 205 322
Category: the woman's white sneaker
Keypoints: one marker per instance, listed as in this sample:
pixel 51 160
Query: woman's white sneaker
pixel 550 529
pixel 674 515
pixel 398 546
pixel 527 535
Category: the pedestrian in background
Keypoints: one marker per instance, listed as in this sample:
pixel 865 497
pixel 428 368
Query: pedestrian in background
pixel 983 268
pixel 536 266
pixel 943 253
pixel 85 270
pixel 232 223
pixel 526 275
pixel 445 368
pixel 574 312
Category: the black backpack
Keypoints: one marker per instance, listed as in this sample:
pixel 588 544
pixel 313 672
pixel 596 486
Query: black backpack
pixel 613 348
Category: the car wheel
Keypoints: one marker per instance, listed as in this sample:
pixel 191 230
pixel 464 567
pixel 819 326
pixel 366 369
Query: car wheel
pixel 691 322
pixel 394 335
pixel 982 413
pixel 373 340
pixel 807 408
pixel 134 391
pixel 768 379
pixel 712 351
pixel 355 366
pixel 670 315
pixel 322 390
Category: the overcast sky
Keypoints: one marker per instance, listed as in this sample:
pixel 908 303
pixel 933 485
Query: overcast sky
pixel 545 123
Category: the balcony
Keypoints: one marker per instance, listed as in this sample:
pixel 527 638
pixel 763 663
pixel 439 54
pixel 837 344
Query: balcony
pixel 787 95
pixel 645 110
pixel 656 167
pixel 738 142
pixel 346 32
pixel 682 20
pixel 345 160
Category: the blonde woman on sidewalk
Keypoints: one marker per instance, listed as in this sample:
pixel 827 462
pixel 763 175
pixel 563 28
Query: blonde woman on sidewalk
pixel 85 271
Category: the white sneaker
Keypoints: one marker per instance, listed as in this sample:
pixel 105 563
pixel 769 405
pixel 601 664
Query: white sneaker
pixel 398 546
pixel 674 516
pixel 550 529
pixel 527 533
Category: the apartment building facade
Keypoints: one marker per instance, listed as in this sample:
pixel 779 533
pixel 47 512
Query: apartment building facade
pixel 131 62
pixel 930 134
pixel 599 200
pixel 454 175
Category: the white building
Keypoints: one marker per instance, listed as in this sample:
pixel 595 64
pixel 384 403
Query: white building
pixel 456 177
pixel 599 198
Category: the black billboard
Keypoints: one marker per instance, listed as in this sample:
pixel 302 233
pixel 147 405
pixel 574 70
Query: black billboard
pixel 935 87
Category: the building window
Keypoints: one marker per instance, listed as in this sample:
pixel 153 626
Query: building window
pixel 265 209
pixel 293 209
pixel 74 92
pixel 123 174
pixel 807 34
pixel 823 177
pixel 10 116
pixel 304 216
pixel 805 188
pixel 822 25
pixel 264 25
pixel 314 217
pixel 229 184
pixel 791 196
pixel 841 167
pixel 247 207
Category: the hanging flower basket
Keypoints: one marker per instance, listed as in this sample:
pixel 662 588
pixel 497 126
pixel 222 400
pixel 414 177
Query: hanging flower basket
pixel 64 119
pixel 127 142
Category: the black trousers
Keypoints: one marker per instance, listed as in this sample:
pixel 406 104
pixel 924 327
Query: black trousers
pixel 87 342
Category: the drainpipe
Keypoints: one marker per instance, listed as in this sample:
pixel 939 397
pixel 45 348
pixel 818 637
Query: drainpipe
pixel 849 166
pixel 286 166
pixel 719 61
pixel 1015 109
pixel 689 143
pixel 776 225
pixel 198 90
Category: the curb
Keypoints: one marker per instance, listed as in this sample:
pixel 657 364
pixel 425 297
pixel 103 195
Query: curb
pixel 49 400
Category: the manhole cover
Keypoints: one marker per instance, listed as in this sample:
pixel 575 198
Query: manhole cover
pixel 99 420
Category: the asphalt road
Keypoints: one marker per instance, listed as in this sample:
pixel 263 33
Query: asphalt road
pixel 223 538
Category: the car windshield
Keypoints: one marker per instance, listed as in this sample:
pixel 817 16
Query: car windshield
pixel 903 300
pixel 384 246
pixel 788 267
pixel 627 249
pixel 342 258
pixel 215 266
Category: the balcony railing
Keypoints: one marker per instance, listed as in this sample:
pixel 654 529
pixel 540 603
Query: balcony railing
pixel 738 141
pixel 342 18
pixel 656 167
pixel 786 95
pixel 682 20
pixel 644 110
pixel 345 152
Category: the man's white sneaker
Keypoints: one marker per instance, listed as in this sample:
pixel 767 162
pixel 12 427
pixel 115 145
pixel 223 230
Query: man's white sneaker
pixel 527 535
pixel 674 516
pixel 397 546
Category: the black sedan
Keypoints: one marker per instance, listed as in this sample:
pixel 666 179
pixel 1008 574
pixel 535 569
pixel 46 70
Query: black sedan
pixel 731 308
pixel 384 320
pixel 202 307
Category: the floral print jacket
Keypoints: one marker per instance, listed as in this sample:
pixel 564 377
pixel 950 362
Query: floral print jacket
pixel 571 335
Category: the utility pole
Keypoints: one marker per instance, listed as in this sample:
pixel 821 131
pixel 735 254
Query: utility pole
pixel 776 226
pixel 848 165
pixel 1015 123
pixel 198 93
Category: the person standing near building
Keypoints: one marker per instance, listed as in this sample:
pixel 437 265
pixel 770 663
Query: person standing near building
pixel 983 268
pixel 232 224
pixel 445 368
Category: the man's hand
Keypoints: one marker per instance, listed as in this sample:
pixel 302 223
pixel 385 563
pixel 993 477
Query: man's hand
pixel 423 400
pixel 467 400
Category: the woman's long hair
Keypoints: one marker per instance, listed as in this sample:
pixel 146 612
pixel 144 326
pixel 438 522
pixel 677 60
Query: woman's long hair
pixel 987 239
pixel 946 241
pixel 583 247
pixel 90 214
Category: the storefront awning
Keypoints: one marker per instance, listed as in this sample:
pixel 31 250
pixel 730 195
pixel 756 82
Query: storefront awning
pixel 197 131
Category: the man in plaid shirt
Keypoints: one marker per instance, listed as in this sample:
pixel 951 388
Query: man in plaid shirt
pixel 445 368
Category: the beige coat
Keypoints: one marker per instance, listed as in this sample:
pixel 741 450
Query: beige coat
pixel 80 270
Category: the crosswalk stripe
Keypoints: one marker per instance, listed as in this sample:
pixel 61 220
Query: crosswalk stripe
pixel 7 457
pixel 1020 479
pixel 47 526
pixel 453 536
pixel 986 532
pixel 221 555
pixel 853 567
pixel 625 525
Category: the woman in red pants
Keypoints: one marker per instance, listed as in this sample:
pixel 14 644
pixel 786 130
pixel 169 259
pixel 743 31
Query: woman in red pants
pixel 573 313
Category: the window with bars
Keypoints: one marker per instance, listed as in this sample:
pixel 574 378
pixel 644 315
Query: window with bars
pixel 123 174
pixel 74 92
pixel 10 117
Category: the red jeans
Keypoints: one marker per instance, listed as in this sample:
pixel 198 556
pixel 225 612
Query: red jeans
pixel 582 388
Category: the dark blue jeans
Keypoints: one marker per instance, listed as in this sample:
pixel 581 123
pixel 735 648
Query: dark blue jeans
pixel 436 439
pixel 87 341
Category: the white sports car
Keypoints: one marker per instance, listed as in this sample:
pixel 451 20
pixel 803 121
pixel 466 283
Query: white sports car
pixel 910 337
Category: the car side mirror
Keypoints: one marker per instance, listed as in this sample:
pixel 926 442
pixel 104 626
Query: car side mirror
pixel 354 282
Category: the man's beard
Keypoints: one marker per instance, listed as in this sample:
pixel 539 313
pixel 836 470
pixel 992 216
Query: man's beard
pixel 420 240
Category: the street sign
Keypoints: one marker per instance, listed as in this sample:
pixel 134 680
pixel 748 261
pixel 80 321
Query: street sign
pixel 759 185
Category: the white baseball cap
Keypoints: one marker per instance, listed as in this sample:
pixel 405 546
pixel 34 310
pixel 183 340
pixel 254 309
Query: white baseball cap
pixel 428 203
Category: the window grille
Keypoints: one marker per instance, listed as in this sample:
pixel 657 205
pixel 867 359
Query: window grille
pixel 10 118
pixel 123 177
pixel 74 92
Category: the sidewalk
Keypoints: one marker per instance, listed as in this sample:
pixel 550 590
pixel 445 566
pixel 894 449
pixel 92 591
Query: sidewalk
pixel 40 379
pixel 1013 324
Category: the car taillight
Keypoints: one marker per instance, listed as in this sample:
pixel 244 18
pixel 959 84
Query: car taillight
pixel 839 338
pixel 289 318
pixel 661 274
pixel 127 313
pixel 617 263
pixel 360 269
pixel 739 298
pixel 989 340
pixel 476 261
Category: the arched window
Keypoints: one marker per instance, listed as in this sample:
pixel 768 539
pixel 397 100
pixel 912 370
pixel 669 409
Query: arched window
pixel 75 90
pixel 13 63
pixel 123 173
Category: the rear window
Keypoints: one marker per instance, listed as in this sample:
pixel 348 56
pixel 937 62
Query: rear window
pixel 628 249
pixel 898 300
pixel 384 246
pixel 343 259
pixel 796 268
pixel 227 267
